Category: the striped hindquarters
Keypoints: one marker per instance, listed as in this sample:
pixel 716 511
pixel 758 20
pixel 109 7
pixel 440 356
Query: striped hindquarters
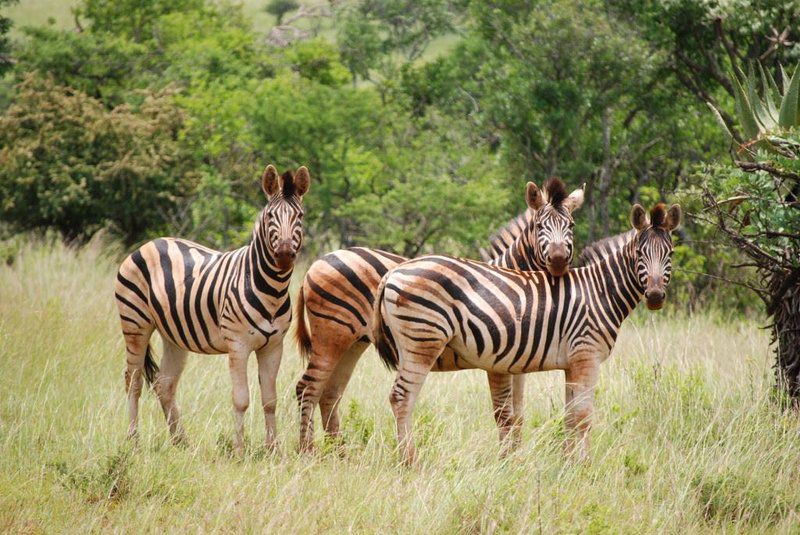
pixel 338 293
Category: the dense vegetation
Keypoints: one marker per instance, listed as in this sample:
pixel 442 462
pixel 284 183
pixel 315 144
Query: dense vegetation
pixel 399 136
pixel 419 120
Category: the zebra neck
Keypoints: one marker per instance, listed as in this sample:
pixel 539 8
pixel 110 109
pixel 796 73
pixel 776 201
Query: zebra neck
pixel 617 288
pixel 517 257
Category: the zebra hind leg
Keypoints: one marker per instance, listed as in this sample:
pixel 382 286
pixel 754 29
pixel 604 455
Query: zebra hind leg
pixel 334 389
pixel 326 356
pixel 413 371
pixel 137 345
pixel 172 365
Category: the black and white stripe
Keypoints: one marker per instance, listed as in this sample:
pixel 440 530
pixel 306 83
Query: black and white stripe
pixel 511 322
pixel 213 302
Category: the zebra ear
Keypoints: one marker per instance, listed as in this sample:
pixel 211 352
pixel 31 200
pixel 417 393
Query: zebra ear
pixel 533 197
pixel 674 216
pixel 301 181
pixel 575 199
pixel 269 181
pixel 639 217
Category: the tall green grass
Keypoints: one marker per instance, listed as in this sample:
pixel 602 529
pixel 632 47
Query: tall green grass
pixel 686 438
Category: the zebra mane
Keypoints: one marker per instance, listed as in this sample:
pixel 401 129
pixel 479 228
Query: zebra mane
pixel 658 215
pixel 287 180
pixel 599 249
pixel 512 229
pixel 555 192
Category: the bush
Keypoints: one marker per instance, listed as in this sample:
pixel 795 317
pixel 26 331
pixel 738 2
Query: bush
pixel 68 163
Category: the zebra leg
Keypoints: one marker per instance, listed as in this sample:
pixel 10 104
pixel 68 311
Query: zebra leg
pixel 501 391
pixel 325 358
pixel 172 365
pixel 269 361
pixel 237 364
pixel 137 339
pixel 518 402
pixel 581 379
pixel 410 378
pixel 334 389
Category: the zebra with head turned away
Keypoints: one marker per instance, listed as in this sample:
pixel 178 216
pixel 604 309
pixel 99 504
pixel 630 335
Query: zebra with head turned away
pixel 508 321
pixel 338 292
pixel 214 302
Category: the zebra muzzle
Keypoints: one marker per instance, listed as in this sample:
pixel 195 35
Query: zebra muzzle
pixel 655 299
pixel 558 260
pixel 285 255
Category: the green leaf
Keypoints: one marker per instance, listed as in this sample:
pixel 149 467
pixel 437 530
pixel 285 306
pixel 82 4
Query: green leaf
pixel 788 114
pixel 770 93
pixel 766 123
pixel 745 111
pixel 720 121
pixel 784 79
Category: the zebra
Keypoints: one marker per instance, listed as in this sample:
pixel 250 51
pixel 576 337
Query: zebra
pixel 338 292
pixel 510 322
pixel 212 302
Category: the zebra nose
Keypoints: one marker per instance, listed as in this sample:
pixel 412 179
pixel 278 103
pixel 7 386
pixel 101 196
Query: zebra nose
pixel 558 259
pixel 285 254
pixel 655 298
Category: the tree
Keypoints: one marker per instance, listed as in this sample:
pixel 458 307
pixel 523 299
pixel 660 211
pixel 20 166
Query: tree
pixel 706 40
pixel 133 19
pixel 755 204
pixel 279 8
pixel 69 163
pixel 563 88
pixel 5 26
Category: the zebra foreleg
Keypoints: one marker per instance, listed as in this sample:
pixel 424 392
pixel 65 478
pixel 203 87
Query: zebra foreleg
pixel 269 362
pixel 518 402
pixel 237 364
pixel 581 379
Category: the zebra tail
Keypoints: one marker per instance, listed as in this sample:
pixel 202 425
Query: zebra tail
pixel 301 335
pixel 150 367
pixel 381 335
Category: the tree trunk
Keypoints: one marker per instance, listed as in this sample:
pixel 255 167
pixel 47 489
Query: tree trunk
pixel 786 332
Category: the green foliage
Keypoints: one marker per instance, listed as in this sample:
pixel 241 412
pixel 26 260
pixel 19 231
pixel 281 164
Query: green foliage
pixel 133 19
pixel 101 66
pixel 317 60
pixel 69 163
pixel 5 26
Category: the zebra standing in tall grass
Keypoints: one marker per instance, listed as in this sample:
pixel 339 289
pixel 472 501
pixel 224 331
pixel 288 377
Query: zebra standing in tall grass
pixel 212 302
pixel 507 321
pixel 338 292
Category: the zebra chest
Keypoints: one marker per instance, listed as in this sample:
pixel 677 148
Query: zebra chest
pixel 252 323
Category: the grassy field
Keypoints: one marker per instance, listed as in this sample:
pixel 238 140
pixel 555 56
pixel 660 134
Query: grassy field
pixel 686 436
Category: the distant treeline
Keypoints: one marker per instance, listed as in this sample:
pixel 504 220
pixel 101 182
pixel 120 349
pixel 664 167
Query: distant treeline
pixel 420 121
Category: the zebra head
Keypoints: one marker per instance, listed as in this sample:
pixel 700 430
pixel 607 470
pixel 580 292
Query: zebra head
pixel 654 248
pixel 549 232
pixel 283 216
